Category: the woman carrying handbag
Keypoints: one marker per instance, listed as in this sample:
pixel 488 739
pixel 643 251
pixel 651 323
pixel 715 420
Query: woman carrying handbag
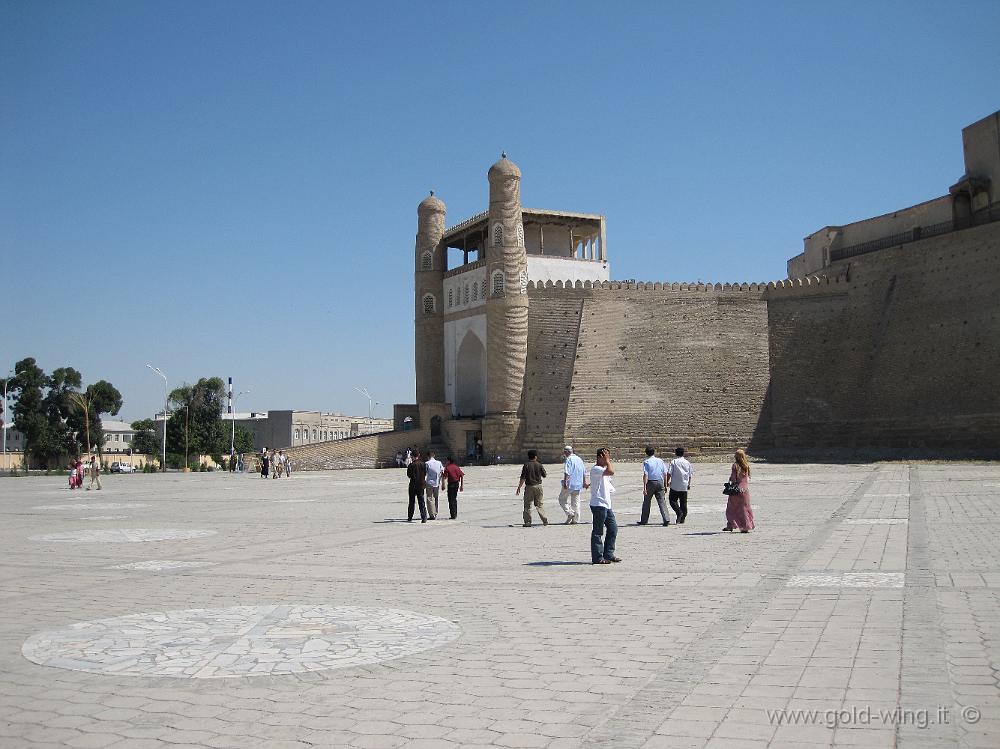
pixel 739 515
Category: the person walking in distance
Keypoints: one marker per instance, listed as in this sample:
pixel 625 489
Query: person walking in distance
pixel 416 472
pixel 532 474
pixel 574 481
pixel 265 463
pixel 680 472
pixel 454 479
pixel 95 473
pixel 287 463
pixel 738 512
pixel 434 468
pixel 602 551
pixel 654 471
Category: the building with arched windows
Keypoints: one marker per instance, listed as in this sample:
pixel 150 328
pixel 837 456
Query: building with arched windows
pixel 522 341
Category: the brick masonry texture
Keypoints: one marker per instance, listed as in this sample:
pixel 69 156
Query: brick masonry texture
pixel 901 351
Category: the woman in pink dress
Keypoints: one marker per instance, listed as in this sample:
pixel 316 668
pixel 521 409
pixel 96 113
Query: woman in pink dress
pixel 738 512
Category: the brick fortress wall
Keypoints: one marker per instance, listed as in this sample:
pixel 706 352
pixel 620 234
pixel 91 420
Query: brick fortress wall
pixel 628 365
pixel 897 349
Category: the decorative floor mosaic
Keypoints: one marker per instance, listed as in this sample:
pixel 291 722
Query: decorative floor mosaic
pixel 876 521
pixel 158 565
pixel 239 641
pixel 848 580
pixel 122 535
pixel 94 506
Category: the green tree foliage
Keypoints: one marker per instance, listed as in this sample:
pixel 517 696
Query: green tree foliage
pixel 146 440
pixel 100 398
pixel 200 407
pixel 243 440
pixel 48 410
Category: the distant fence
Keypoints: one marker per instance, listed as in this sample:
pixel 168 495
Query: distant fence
pixel 984 216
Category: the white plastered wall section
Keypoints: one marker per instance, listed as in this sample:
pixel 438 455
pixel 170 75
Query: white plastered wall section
pixel 542 269
pixel 455 332
pixel 457 287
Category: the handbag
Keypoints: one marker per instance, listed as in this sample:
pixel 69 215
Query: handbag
pixel 730 488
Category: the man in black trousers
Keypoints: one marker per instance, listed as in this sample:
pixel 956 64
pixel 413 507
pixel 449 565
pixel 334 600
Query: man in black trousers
pixel 417 473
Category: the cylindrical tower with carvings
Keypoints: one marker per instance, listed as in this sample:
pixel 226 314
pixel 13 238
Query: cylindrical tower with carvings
pixel 428 284
pixel 506 313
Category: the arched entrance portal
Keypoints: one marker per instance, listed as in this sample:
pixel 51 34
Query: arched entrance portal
pixel 470 391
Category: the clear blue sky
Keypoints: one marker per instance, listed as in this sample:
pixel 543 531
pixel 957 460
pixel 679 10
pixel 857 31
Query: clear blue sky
pixel 229 188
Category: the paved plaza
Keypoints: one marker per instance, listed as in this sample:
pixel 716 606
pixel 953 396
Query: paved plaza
pixel 212 610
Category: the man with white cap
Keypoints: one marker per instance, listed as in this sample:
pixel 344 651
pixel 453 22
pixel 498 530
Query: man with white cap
pixel 573 482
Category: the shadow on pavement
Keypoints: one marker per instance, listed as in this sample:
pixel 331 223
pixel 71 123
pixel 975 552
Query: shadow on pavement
pixel 552 564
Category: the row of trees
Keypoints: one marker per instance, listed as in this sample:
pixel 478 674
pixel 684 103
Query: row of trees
pixel 57 418
pixel 60 419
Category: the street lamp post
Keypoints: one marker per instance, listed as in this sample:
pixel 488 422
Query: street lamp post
pixel 232 439
pixel 5 381
pixel 165 396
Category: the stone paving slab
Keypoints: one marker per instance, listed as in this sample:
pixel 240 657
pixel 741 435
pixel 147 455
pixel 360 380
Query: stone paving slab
pixel 863 611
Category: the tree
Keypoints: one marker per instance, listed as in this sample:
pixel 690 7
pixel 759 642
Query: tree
pixel 100 398
pixel 243 440
pixel 200 406
pixel 145 439
pixel 40 415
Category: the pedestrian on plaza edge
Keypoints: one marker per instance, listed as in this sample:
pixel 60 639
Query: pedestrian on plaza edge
pixel 287 462
pixel 454 480
pixel 532 474
pixel 680 472
pixel 416 472
pixel 738 512
pixel 574 481
pixel 95 473
pixel 434 468
pixel 654 471
pixel 602 551
pixel 265 464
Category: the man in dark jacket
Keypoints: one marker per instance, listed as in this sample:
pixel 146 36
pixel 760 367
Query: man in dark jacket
pixel 417 473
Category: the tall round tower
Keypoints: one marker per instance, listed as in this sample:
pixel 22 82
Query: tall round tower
pixel 506 313
pixel 428 280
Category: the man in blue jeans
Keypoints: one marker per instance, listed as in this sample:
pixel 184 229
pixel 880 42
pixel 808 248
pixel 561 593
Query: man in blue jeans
pixel 602 551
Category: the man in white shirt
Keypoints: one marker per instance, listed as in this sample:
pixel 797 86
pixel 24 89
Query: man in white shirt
pixel 602 551
pixel 680 472
pixel 654 471
pixel 433 484
pixel 574 480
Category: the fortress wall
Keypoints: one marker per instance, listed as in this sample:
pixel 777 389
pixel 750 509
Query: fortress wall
pixel 553 328
pixel 368 451
pixel 701 382
pixel 904 354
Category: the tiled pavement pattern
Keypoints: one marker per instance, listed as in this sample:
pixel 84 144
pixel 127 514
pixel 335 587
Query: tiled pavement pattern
pixel 688 643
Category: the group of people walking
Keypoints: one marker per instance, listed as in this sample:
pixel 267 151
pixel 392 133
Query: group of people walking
pixel 78 471
pixel 667 483
pixel 427 476
pixel 274 463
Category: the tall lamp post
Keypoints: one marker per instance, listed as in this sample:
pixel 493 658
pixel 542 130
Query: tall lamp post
pixel 5 381
pixel 366 394
pixel 232 439
pixel 165 396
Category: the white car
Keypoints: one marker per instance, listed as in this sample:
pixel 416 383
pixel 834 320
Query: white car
pixel 117 467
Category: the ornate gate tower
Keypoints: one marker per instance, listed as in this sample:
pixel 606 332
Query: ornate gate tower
pixel 428 276
pixel 506 313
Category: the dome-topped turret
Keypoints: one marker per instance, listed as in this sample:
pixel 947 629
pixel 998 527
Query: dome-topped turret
pixel 504 168
pixel 431 204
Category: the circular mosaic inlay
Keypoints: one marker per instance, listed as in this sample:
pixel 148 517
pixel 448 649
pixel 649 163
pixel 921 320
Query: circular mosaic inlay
pixel 122 535
pixel 94 506
pixel 239 641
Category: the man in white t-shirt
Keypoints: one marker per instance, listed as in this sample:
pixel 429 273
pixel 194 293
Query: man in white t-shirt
pixel 680 472
pixel 433 484
pixel 574 481
pixel 602 551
